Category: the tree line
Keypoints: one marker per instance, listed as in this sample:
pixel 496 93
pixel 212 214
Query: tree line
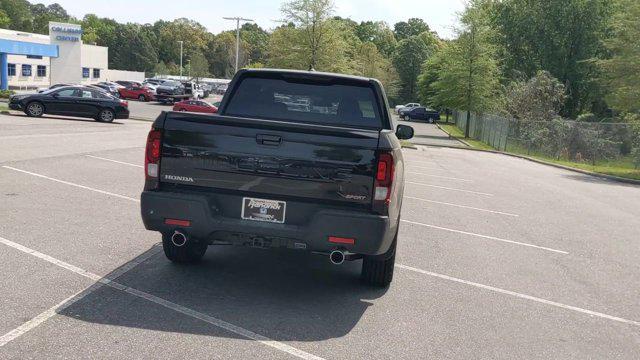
pixel 575 58
pixel 309 36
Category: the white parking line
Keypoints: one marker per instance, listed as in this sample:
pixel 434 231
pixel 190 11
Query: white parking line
pixel 12 335
pixel 461 206
pixel 47 314
pixel 72 184
pixel 520 295
pixel 448 188
pixel 115 161
pixel 485 237
pixel 438 176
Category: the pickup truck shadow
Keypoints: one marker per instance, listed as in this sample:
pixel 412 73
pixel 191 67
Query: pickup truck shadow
pixel 283 295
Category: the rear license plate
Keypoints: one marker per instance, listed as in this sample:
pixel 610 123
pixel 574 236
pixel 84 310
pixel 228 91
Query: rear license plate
pixel 263 210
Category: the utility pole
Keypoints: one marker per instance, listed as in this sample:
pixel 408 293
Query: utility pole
pixel 237 19
pixel 181 42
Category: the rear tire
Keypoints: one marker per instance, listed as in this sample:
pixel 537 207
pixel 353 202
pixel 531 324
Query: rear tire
pixel 189 253
pixel 378 270
pixel 34 109
pixel 106 115
pixel 142 98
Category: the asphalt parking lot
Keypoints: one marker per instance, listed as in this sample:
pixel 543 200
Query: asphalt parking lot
pixel 498 258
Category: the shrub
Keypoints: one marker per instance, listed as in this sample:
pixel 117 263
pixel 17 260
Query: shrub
pixel 5 94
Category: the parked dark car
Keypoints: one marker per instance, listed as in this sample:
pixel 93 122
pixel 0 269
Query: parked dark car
pixel 55 86
pixel 265 174
pixel 421 113
pixel 80 101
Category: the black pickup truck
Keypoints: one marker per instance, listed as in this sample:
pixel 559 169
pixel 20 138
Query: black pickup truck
pixel 326 177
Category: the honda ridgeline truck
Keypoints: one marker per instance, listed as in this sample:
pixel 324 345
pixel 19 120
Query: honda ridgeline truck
pixel 327 177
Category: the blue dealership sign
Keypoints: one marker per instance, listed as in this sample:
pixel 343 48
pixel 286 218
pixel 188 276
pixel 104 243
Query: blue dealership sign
pixel 27 48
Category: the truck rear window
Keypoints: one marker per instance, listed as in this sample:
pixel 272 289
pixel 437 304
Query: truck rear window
pixel 326 104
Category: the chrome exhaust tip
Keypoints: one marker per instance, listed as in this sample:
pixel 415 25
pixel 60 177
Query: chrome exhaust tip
pixel 178 239
pixel 336 257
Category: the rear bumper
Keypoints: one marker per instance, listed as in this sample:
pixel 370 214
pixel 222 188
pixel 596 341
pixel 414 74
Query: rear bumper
pixel 373 234
pixel 122 114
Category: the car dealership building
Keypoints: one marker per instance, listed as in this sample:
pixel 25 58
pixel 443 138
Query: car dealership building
pixel 29 61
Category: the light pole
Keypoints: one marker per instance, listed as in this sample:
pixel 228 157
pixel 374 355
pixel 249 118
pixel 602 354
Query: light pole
pixel 237 19
pixel 181 42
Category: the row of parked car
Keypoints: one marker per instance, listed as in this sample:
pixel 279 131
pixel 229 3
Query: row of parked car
pixel 106 101
pixel 413 111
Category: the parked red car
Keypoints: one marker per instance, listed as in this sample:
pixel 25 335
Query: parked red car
pixel 195 106
pixel 136 92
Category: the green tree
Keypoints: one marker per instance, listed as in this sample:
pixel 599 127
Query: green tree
pixel 378 33
pixel 468 76
pixel 412 27
pixel 199 66
pixel 311 19
pixel 43 14
pixel 408 58
pixel 558 36
pixel 369 62
pixel 538 99
pixel 5 20
pixel 257 40
pixel 622 69
pixel 19 13
pixel 133 49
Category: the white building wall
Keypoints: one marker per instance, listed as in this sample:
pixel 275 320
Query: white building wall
pixel 95 58
pixel 114 75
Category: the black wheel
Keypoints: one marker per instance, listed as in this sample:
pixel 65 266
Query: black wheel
pixel 142 98
pixel 34 109
pixel 191 252
pixel 378 270
pixel 106 115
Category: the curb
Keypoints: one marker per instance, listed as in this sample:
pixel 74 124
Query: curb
pixel 455 138
pixel 543 162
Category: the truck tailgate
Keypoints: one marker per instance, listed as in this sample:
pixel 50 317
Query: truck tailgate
pixel 269 159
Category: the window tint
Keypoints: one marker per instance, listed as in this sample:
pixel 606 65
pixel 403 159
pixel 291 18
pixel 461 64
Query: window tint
pixel 277 99
pixel 67 92
pixel 86 94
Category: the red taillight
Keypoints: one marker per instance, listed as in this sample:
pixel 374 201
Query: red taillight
pixel 124 103
pixel 384 178
pixel 152 154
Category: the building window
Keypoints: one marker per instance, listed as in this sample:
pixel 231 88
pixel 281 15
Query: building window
pixel 26 70
pixel 34 57
pixel 85 73
pixel 96 73
pixel 11 69
pixel 42 71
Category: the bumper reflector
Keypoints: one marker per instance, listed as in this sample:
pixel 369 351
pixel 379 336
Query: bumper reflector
pixel 177 222
pixel 341 240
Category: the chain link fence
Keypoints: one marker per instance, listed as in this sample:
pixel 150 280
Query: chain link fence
pixel 559 139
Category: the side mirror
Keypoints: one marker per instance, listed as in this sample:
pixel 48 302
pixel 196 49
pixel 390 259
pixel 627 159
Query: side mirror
pixel 404 132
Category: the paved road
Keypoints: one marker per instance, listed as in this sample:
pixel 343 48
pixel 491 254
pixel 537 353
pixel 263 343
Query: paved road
pixel 430 134
pixel 498 258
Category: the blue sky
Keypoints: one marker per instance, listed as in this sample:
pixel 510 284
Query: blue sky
pixel 439 14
